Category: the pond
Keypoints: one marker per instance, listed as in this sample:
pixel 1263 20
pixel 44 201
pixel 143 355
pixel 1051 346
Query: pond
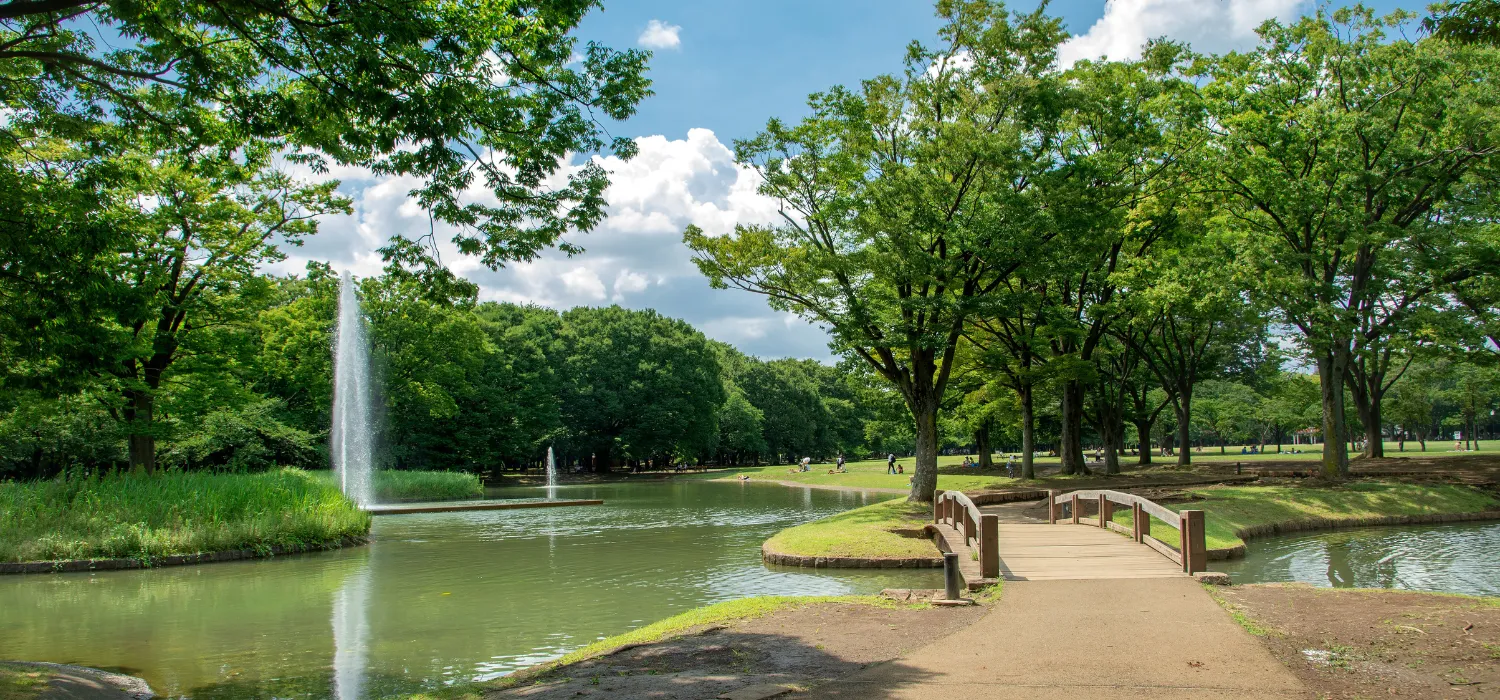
pixel 1452 558
pixel 435 598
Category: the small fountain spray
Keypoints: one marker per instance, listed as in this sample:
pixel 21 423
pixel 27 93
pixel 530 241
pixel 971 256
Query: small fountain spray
pixel 551 476
pixel 353 428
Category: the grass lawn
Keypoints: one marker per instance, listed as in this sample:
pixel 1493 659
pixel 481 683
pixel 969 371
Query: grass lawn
pixel 21 683
pixel 138 516
pixel 742 609
pixel 1227 509
pixel 872 474
pixel 862 532
pixel 396 485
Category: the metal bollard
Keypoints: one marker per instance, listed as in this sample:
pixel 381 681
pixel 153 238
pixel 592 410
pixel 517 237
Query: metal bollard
pixel 950 576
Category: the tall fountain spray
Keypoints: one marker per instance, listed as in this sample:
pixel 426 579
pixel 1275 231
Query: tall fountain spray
pixel 353 427
pixel 551 476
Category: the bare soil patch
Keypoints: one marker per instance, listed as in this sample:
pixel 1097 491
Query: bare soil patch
pixel 801 647
pixel 1373 643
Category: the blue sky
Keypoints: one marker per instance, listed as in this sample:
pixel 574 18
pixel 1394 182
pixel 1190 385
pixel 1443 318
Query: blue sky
pixel 720 69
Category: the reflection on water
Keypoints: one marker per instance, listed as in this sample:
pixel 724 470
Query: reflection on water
pixel 435 598
pixel 351 633
pixel 1454 558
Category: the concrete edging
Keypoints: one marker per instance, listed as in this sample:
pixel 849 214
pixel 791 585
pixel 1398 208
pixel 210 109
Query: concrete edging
pixel 62 565
pixel 771 556
pixel 1313 524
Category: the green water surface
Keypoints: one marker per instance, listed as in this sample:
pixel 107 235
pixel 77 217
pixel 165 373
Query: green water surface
pixel 435 598
pixel 1451 558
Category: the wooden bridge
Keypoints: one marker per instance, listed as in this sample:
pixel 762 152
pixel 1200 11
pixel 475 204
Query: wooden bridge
pixel 1001 537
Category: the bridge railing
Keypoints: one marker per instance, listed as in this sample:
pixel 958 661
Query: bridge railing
pixel 980 532
pixel 1191 552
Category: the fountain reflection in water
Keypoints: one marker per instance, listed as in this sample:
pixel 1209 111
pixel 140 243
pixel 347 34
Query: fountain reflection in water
pixel 551 476
pixel 351 635
pixel 352 424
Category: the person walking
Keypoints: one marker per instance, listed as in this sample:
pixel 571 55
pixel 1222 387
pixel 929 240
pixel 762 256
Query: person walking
pixel 890 463
pixel 840 465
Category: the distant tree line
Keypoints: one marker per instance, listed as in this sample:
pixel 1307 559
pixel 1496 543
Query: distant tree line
pixel 461 385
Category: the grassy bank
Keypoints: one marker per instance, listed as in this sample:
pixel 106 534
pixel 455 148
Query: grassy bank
pixel 862 532
pixel 871 474
pixel 137 516
pixel 393 485
pixel 718 613
pixel 1228 509
pixel 22 683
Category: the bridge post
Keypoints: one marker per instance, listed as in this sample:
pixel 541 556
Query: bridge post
pixel 1106 511
pixel 1052 507
pixel 1144 523
pixel 1194 543
pixel 937 509
pixel 1074 506
pixel 1135 521
pixel 989 546
pixel 968 527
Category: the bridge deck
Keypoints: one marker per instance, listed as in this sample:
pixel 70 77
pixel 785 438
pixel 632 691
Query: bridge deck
pixel 1044 552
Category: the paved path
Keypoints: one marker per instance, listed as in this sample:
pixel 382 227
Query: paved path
pixel 1127 638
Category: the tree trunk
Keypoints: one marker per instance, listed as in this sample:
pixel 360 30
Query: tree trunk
pixel 139 409
pixel 1331 369
pixel 1028 434
pixel 1143 441
pixel 1113 440
pixel 982 442
pixel 1374 440
pixel 924 480
pixel 1071 440
pixel 1184 410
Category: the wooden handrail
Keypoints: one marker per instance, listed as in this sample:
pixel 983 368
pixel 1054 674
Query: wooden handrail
pixel 980 532
pixel 1191 552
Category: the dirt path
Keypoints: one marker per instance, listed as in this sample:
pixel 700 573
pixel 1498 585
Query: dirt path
pixel 800 647
pixel 1371 643
pixel 1138 638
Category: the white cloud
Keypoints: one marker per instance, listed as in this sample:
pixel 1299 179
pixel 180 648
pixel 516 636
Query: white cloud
pixel 628 282
pixel 583 282
pixel 635 257
pixel 660 35
pixel 1210 26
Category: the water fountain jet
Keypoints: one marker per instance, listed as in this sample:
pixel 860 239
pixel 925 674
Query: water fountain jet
pixel 353 427
pixel 551 476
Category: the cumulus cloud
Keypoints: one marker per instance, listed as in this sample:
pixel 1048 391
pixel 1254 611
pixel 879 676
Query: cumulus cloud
pixel 635 258
pixel 660 35
pixel 1210 26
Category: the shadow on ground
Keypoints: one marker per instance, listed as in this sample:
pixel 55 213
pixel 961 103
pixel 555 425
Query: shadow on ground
pixel 802 648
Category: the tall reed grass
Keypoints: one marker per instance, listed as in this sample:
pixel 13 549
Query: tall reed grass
pixel 393 485
pixel 140 517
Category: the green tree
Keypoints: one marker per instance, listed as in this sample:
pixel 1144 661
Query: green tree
pixel 428 356
pixel 896 199
pixel 638 385
pixel 188 231
pixel 740 430
pixel 1336 143
pixel 1471 21
pixel 452 94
